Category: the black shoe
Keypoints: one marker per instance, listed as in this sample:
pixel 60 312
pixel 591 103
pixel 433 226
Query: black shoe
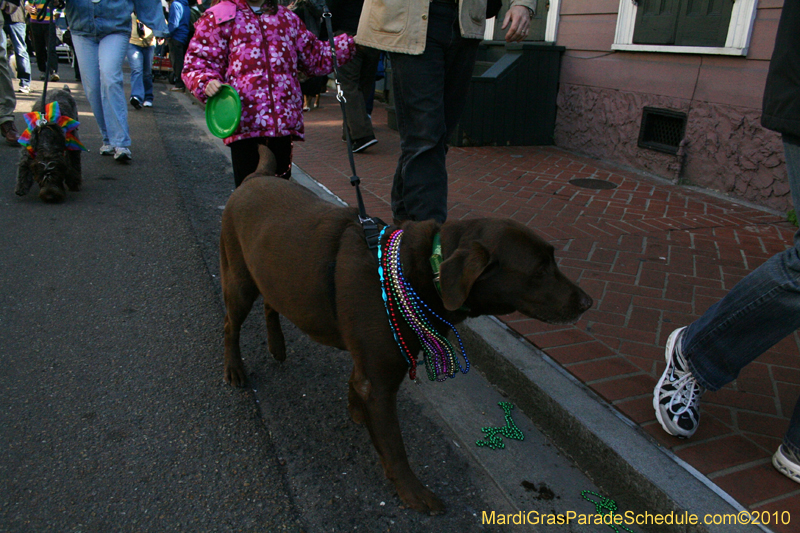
pixel 136 103
pixel 363 143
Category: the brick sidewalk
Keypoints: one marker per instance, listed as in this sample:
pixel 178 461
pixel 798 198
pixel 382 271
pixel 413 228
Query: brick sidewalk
pixel 652 255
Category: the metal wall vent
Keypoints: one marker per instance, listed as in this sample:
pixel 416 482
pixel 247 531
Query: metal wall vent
pixel 662 129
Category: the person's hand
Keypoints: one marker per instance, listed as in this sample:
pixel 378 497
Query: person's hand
pixel 30 9
pixel 518 21
pixel 212 87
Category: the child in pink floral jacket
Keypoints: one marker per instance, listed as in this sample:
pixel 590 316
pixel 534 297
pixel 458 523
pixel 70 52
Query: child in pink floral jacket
pixel 258 48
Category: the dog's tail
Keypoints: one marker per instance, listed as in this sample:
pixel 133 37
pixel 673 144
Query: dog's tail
pixel 267 164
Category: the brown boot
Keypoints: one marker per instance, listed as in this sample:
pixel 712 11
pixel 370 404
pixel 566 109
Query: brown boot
pixel 9 131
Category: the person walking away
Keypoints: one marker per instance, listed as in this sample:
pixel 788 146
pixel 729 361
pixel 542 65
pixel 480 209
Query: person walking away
pixel 15 28
pixel 179 35
pixel 44 44
pixel 100 34
pixel 8 101
pixel 762 308
pixel 140 59
pixel 432 46
pixel 311 87
pixel 267 83
pixel 357 78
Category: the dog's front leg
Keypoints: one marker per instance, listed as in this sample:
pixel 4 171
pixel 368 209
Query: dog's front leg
pixel 379 399
pixel 24 177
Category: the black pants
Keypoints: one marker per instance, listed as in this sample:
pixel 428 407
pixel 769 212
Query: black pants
pixel 44 48
pixel 244 156
pixel 177 51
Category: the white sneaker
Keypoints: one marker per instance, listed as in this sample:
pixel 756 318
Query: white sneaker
pixel 147 103
pixel 676 398
pixel 25 89
pixel 122 154
pixel 787 463
pixel 106 149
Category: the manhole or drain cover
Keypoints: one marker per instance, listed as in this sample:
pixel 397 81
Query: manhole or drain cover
pixel 592 183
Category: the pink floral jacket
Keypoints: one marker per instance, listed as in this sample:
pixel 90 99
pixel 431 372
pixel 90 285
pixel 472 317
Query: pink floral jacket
pixel 259 56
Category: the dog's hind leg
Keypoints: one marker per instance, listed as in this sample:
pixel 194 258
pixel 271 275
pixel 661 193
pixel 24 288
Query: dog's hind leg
pixel 24 177
pixel 239 292
pixel 275 340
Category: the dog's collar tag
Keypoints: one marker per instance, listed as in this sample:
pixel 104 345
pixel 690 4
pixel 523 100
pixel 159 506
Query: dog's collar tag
pixel 436 261
pixel 436 264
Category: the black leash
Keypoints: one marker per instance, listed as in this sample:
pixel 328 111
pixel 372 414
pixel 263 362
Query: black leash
pixel 51 39
pixel 370 225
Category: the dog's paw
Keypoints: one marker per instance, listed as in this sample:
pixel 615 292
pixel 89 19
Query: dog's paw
pixel 422 500
pixel 235 375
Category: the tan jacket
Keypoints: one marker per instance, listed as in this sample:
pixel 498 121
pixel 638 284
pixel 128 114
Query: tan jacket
pixel 402 25
pixel 144 42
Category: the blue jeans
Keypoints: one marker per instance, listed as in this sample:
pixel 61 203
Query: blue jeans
pixel 140 58
pixel 430 91
pixel 760 310
pixel 16 31
pixel 101 61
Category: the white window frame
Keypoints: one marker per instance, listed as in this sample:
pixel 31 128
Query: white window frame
pixel 737 43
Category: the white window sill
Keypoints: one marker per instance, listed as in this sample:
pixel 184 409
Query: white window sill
pixel 680 49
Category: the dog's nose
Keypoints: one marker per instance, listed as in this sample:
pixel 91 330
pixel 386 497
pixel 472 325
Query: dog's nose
pixel 585 302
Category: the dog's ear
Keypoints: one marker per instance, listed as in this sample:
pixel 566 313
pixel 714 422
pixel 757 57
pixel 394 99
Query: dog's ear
pixel 458 273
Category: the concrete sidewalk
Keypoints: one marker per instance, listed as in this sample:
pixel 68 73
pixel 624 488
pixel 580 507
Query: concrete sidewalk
pixel 654 256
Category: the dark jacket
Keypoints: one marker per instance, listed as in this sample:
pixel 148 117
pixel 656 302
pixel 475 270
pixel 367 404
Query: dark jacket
pixel 345 15
pixel 179 21
pixel 781 106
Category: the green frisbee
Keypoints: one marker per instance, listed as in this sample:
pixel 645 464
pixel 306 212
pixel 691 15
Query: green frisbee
pixel 223 112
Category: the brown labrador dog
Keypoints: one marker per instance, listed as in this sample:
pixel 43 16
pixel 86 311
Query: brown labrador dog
pixel 310 261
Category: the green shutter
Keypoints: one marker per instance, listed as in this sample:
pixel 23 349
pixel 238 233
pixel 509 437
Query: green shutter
pixel 656 21
pixel 703 22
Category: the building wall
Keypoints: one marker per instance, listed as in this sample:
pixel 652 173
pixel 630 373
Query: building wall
pixel 603 92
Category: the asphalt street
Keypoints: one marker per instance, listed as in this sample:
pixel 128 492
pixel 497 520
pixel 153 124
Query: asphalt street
pixel 113 412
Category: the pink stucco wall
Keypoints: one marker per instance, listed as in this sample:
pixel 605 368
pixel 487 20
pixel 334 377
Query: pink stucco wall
pixel 726 149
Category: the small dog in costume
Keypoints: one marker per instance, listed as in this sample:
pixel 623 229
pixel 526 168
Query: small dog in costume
pixel 51 150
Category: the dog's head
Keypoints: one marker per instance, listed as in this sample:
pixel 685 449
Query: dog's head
pixel 49 166
pixel 498 266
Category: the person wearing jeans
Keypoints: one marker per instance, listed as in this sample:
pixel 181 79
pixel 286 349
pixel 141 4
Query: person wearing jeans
pixel 431 76
pixel 762 308
pixel 140 58
pixel 100 35
pixel 15 27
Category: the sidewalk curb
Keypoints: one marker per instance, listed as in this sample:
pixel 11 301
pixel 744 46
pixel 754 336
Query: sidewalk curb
pixel 613 451
pixel 616 454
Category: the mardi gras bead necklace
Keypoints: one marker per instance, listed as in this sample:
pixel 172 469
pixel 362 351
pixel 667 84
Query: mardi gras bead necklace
pixel 401 300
